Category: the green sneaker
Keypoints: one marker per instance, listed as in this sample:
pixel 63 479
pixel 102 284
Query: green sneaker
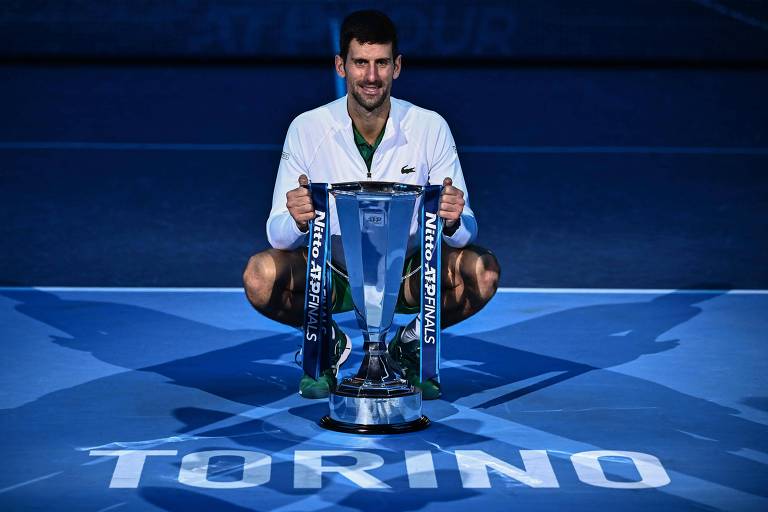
pixel 326 382
pixel 406 355
pixel 317 388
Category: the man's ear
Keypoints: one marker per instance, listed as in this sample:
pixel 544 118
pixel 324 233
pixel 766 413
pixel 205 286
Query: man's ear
pixel 339 64
pixel 398 63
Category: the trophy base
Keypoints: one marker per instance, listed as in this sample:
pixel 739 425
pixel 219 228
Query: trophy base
pixel 368 412
pixel 392 428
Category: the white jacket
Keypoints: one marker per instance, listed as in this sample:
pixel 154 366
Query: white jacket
pixel 320 143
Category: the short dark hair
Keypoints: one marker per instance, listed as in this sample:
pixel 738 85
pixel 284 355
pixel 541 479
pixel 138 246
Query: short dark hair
pixel 367 26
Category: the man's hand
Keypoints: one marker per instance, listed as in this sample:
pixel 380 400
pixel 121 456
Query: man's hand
pixel 451 203
pixel 299 203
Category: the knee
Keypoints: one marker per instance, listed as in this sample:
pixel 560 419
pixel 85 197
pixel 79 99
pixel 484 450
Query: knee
pixel 259 280
pixel 488 272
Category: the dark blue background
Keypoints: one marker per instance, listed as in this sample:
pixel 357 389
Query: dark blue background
pixel 604 145
pixel 523 29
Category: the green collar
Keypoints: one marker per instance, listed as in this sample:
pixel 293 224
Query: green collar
pixel 367 150
pixel 360 140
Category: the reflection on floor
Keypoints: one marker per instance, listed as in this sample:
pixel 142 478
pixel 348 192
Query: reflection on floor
pixel 186 400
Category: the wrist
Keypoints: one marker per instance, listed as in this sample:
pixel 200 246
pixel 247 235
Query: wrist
pixel 451 230
pixel 300 227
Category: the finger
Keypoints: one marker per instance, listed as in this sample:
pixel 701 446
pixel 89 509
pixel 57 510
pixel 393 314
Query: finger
pixel 302 209
pixel 452 200
pixel 303 180
pixel 304 217
pixel 298 200
pixel 453 191
pixel 447 182
pixel 449 216
pixel 302 191
pixel 450 209
pixel 299 197
pixel 298 194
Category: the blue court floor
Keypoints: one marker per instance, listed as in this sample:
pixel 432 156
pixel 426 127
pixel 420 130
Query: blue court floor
pixel 163 399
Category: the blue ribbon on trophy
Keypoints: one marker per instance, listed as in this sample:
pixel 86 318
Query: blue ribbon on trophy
pixel 431 229
pixel 317 345
pixel 317 308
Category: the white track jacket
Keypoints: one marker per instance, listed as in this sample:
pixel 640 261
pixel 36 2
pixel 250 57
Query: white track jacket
pixel 320 143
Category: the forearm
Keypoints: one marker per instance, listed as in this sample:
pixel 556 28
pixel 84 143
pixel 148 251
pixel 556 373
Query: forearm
pixel 283 233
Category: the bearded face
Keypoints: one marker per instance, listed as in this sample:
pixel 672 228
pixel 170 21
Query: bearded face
pixel 369 71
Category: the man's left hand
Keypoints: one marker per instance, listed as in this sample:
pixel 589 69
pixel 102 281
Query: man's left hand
pixel 451 203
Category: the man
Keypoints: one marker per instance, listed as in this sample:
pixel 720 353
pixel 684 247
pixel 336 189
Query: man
pixel 368 135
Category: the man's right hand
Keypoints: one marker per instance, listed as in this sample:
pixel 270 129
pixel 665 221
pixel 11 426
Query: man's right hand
pixel 300 204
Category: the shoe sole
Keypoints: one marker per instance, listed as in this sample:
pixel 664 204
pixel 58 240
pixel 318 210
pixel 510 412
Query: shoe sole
pixel 316 397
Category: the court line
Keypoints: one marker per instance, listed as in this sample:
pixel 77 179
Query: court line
pixel 140 146
pixel 644 150
pixel 750 454
pixel 732 13
pixel 112 507
pixel 28 482
pixel 632 291
pixel 604 291
pixel 501 149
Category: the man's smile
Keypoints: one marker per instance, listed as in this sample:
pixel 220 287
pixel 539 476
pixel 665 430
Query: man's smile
pixel 371 89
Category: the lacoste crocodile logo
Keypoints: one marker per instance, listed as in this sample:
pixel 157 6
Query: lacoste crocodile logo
pixel 407 170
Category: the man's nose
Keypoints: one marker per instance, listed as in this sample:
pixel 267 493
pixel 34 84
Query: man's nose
pixel 372 73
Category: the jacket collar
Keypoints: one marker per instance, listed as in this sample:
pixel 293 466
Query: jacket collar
pixel 393 131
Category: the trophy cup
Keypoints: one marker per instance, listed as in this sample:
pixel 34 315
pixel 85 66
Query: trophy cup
pixel 375 220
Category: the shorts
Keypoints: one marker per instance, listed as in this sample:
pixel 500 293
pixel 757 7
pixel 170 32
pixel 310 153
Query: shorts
pixel 343 295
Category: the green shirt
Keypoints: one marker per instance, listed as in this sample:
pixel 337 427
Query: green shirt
pixel 367 150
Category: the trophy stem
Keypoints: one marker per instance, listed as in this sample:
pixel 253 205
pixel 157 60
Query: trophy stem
pixel 377 369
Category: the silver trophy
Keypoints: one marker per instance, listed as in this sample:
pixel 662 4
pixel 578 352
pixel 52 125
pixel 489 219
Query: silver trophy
pixel 375 220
